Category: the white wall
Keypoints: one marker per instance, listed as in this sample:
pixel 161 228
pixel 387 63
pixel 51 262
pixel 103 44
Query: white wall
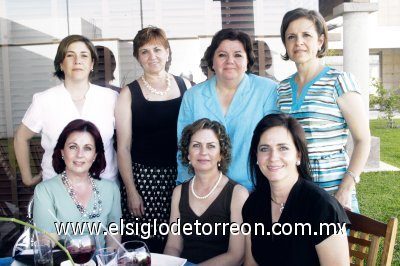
pixel 34 28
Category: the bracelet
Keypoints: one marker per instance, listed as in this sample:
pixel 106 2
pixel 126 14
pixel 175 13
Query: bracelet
pixel 355 177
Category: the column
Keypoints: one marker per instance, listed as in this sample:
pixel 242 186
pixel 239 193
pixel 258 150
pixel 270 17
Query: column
pixel 356 58
pixel 355 42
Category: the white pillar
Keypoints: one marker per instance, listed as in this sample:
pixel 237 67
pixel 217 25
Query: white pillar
pixel 356 58
pixel 355 42
pixel 356 49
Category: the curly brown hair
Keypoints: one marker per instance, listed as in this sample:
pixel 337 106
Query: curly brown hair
pixel 222 136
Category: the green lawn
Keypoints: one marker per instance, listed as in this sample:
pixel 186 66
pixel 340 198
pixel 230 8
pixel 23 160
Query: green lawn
pixel 390 141
pixel 379 192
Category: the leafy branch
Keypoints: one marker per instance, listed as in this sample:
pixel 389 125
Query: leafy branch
pixel 387 100
pixel 14 220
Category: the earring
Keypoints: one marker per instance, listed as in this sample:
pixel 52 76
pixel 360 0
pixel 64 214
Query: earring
pixel 219 164
pixel 62 157
pixel 92 70
pixel 298 162
pixel 94 160
pixel 257 162
pixel 190 162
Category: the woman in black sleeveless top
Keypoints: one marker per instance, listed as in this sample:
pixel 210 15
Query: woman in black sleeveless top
pixel 207 199
pixel 146 118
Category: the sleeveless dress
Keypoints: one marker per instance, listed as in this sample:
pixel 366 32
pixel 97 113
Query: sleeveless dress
pixel 153 152
pixel 199 247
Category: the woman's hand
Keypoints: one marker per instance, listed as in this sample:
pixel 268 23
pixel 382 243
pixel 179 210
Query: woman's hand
pixel 352 107
pixel 34 180
pixel 135 204
pixel 123 123
pixel 343 195
pixel 22 138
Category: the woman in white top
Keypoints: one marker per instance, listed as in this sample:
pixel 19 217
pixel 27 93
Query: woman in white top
pixel 75 98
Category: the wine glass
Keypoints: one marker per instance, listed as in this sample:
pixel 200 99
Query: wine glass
pixel 81 248
pixel 106 256
pixel 135 253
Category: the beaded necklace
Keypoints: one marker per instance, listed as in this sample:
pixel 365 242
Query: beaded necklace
pixel 155 91
pixel 97 206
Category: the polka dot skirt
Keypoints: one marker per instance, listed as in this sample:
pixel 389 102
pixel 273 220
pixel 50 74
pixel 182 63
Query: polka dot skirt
pixel 155 185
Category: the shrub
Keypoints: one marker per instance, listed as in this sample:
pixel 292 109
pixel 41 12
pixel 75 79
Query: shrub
pixel 387 101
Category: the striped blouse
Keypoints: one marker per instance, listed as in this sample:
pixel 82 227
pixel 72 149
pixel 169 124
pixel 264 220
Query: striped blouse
pixel 326 129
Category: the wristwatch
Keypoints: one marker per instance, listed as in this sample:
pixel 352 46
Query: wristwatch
pixel 355 177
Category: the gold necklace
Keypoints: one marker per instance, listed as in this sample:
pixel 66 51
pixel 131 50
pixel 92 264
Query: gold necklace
pixel 79 100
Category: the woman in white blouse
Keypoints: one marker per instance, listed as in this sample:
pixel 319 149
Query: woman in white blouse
pixel 75 98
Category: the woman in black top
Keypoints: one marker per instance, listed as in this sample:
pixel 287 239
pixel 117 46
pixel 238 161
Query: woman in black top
pixel 207 199
pixel 294 212
pixel 146 120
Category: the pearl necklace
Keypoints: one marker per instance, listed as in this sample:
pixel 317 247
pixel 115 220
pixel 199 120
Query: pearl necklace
pixel 282 204
pixel 155 91
pixel 209 193
pixel 97 206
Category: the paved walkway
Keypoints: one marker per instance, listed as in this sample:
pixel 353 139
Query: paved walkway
pixel 382 167
pixel 376 114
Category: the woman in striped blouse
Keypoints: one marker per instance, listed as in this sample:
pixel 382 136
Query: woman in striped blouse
pixel 327 103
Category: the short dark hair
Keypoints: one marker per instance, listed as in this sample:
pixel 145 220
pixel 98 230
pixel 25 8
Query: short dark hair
pixel 151 34
pixel 204 66
pixel 100 67
pixel 62 51
pixel 232 35
pixel 80 125
pixel 299 139
pixel 222 136
pixel 313 16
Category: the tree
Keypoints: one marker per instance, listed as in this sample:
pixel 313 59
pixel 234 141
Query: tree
pixel 387 101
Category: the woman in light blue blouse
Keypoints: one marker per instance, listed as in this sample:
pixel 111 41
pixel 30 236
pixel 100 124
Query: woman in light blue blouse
pixel 76 194
pixel 327 103
pixel 233 97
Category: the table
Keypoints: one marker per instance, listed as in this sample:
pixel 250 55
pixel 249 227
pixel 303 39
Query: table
pixel 157 260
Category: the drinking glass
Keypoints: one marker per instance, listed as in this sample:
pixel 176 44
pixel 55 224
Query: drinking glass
pixel 81 247
pixel 135 253
pixel 106 256
pixel 42 252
